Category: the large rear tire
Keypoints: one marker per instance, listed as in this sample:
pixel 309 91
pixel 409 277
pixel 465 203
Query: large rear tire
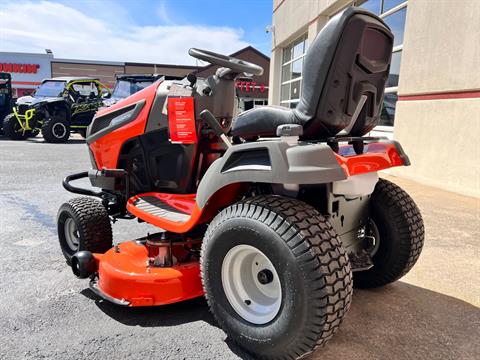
pixel 399 232
pixel 56 129
pixel 83 224
pixel 276 276
pixel 12 129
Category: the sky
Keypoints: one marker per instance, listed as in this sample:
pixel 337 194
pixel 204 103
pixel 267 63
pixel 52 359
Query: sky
pixel 159 31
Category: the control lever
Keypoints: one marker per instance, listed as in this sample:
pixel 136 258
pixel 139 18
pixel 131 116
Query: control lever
pixel 208 117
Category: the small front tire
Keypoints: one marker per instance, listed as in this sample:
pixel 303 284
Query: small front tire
pixel 83 224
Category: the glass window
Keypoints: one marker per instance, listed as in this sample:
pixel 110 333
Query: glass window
pixel 297 68
pixel 373 6
pixel 390 4
pixel 394 69
pixel 295 90
pixel 292 67
pixel 396 22
pixel 387 115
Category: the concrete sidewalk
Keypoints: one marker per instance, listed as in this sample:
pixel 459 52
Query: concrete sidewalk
pixel 433 312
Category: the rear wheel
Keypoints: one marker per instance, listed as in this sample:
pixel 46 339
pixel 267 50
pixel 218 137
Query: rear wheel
pixel 56 129
pixel 83 224
pixel 276 276
pixel 12 128
pixel 397 226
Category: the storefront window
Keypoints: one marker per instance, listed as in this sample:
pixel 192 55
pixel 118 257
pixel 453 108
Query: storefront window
pixel 292 67
pixel 396 22
pixel 394 13
pixel 392 80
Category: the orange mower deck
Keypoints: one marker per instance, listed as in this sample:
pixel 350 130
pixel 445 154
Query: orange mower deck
pixel 125 277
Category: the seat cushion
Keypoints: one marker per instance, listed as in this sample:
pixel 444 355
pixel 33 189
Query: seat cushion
pixel 262 121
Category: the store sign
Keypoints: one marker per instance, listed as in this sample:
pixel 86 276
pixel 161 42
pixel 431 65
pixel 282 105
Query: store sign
pixel 19 68
pixel 250 86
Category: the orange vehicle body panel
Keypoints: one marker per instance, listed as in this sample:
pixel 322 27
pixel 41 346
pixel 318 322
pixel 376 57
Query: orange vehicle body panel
pixel 106 149
pixel 186 203
pixel 377 156
pixel 124 274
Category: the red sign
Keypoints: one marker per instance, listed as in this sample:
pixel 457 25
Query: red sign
pixel 19 68
pixel 181 120
pixel 250 86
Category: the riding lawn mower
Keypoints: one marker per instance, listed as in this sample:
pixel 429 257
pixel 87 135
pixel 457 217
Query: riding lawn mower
pixel 273 215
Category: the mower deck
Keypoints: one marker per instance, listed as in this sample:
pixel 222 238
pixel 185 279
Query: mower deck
pixel 127 277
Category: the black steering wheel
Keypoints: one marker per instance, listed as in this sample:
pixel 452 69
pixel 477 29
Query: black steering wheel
pixel 237 65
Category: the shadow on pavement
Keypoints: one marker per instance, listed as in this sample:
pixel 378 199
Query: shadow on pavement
pixel 400 321
pixel 156 316
pixel 403 321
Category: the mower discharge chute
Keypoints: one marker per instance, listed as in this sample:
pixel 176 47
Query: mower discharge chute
pixel 273 214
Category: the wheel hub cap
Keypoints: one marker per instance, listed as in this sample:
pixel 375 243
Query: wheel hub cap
pixel 71 234
pixel 59 130
pixel 251 284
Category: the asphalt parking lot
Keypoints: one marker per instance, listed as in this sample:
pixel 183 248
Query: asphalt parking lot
pixel 433 313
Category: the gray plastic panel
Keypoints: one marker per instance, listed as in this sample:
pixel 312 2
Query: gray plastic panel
pixel 299 164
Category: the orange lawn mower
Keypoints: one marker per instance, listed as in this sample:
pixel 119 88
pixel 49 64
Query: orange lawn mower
pixel 273 215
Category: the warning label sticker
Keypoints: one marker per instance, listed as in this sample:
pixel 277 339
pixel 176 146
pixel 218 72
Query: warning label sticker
pixel 181 120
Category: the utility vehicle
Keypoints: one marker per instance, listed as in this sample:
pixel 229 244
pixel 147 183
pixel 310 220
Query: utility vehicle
pixel 58 106
pixel 273 219
pixel 6 98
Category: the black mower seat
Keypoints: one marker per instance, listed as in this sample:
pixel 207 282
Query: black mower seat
pixel 344 75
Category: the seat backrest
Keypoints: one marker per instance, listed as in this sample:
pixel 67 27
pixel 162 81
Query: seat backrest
pixel 348 59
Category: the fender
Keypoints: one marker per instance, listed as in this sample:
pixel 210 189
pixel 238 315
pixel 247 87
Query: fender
pixel 270 162
pixel 278 162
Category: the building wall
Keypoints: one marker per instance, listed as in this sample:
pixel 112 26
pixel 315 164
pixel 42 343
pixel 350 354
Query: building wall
pixel 440 58
pixel 24 79
pixel 441 54
pixel 246 90
pixel 105 73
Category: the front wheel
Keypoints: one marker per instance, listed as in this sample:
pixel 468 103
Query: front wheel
pixel 56 129
pixel 12 128
pixel 397 227
pixel 276 276
pixel 83 224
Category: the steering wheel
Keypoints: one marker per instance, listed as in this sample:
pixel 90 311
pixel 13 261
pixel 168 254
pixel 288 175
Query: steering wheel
pixel 240 66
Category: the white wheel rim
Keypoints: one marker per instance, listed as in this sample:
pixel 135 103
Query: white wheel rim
pixel 61 128
pixel 71 234
pixel 243 270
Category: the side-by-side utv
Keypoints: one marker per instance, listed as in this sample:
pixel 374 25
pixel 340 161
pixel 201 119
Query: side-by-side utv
pixel 58 106
pixel 6 99
pixel 273 219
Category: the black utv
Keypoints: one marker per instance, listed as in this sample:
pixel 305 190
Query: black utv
pixel 6 99
pixel 58 106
